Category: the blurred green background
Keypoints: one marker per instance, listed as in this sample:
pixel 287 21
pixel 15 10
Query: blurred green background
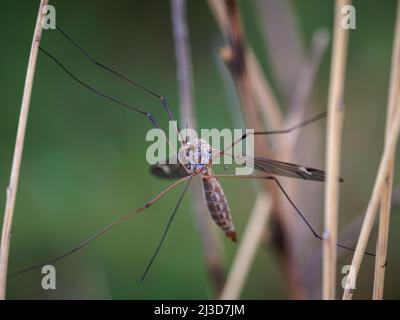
pixel 84 160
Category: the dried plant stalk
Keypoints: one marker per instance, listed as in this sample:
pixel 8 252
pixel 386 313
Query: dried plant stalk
pixel 334 133
pixel 248 247
pixel 385 166
pixel 211 244
pixel 385 207
pixel 19 146
pixel 348 236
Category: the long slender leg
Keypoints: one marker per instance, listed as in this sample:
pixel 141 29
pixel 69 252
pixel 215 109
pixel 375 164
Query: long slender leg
pixel 120 75
pixel 308 224
pixel 165 231
pixel 108 97
pixel 283 131
pixel 101 231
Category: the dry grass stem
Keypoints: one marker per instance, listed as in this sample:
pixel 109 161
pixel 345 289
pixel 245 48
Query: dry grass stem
pixel 348 236
pixel 19 146
pixel 385 167
pixel 250 241
pixel 385 207
pixel 334 133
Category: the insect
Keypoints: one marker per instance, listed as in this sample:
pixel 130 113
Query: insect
pixel 195 157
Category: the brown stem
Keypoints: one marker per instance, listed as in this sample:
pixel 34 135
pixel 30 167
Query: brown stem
pixel 235 56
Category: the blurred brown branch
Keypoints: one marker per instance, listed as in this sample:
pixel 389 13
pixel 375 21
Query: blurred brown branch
pixel 262 111
pixel 238 60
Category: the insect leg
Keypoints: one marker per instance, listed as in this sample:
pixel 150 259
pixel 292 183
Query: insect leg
pixel 120 75
pixel 283 131
pixel 308 224
pixel 166 230
pixel 101 231
pixel 106 96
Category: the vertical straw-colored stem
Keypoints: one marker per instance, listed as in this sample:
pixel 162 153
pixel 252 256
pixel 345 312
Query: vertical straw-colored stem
pixel 384 215
pixel 19 146
pixel 335 120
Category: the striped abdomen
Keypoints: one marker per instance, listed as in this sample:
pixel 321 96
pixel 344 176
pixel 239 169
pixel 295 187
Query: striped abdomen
pixel 218 206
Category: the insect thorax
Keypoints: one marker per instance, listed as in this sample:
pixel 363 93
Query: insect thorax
pixel 195 156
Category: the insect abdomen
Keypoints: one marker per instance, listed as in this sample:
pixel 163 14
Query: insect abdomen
pixel 218 206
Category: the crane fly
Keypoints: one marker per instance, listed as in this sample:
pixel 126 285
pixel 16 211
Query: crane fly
pixel 195 159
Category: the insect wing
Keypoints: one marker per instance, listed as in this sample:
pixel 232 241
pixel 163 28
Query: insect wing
pixel 168 170
pixel 287 169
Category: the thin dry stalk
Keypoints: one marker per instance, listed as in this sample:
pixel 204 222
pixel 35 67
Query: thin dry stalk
pixel 211 245
pixel 385 167
pixel 347 236
pixel 252 237
pixel 334 133
pixel 382 241
pixel 19 146
pixel 384 215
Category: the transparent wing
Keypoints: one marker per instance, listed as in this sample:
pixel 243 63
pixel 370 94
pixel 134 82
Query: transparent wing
pixel 287 169
pixel 168 171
